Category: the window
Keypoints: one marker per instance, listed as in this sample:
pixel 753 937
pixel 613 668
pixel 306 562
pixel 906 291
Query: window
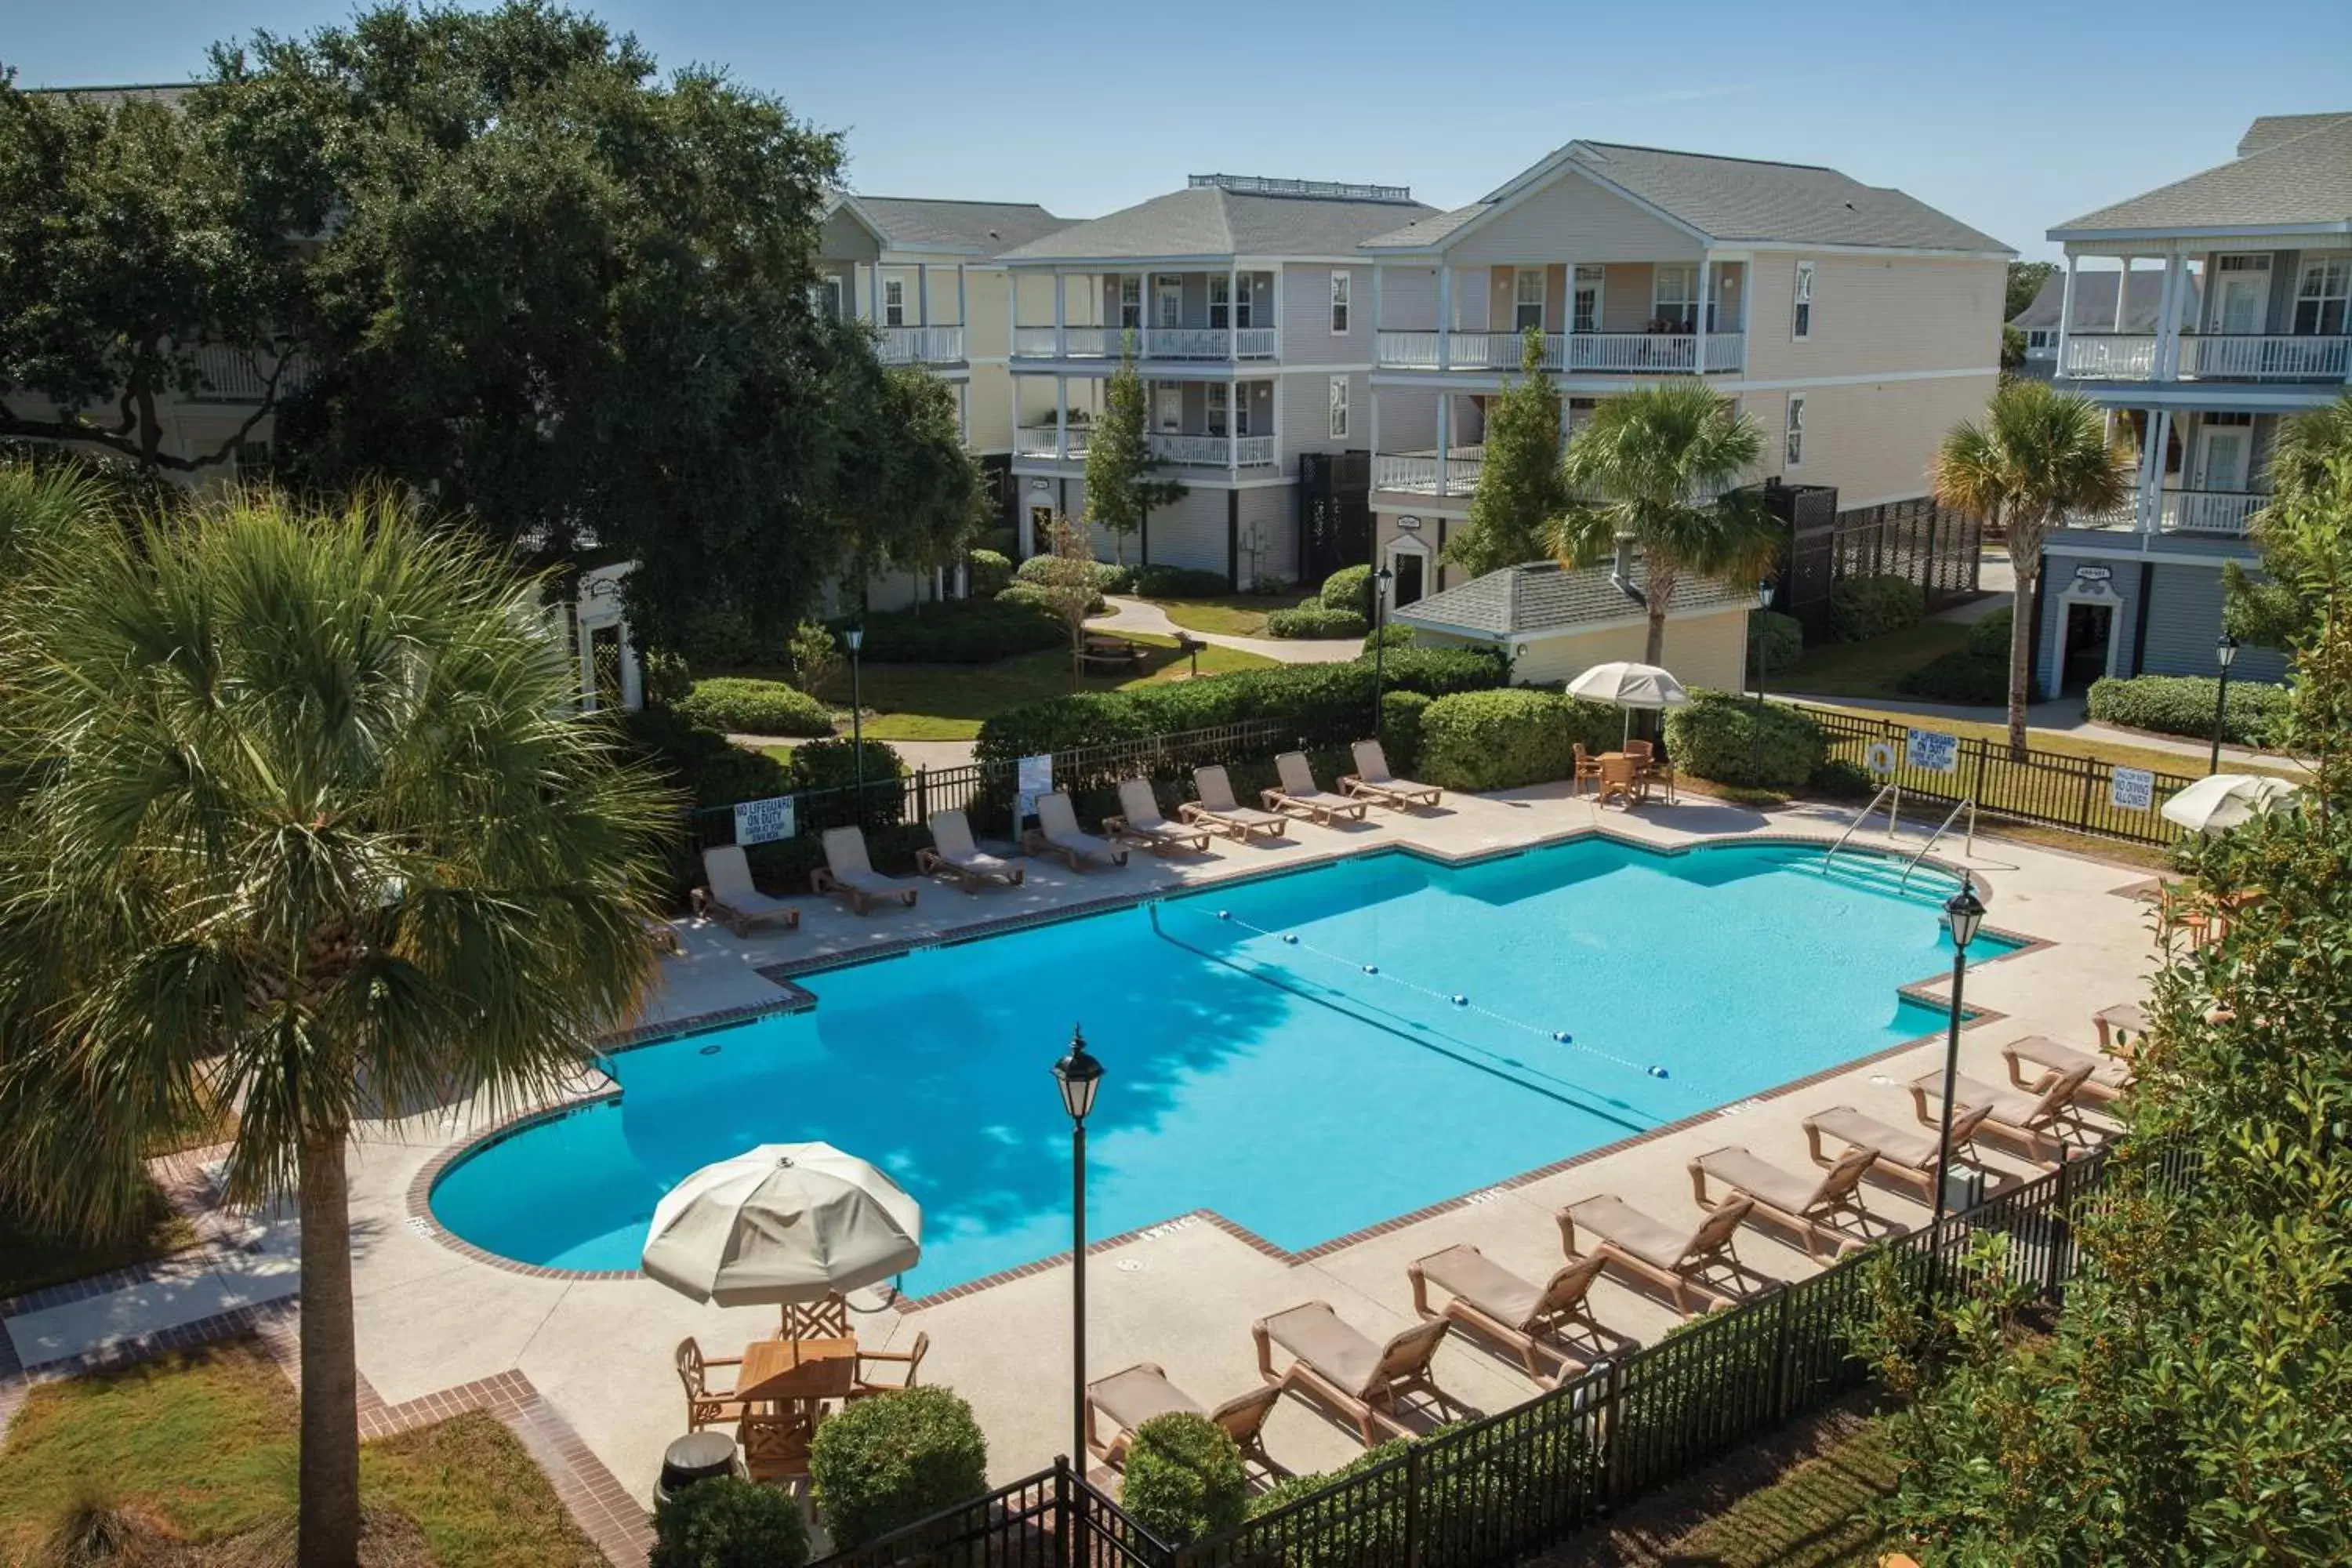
pixel 2321 299
pixel 1674 298
pixel 824 297
pixel 1589 280
pixel 894 301
pixel 2041 338
pixel 1130 301
pixel 1169 292
pixel 1338 408
pixel 1801 317
pixel 1219 302
pixel 1341 279
pixel 1795 443
pixel 1219 422
pixel 1169 400
pixel 1241 410
pixel 1581 411
pixel 1527 299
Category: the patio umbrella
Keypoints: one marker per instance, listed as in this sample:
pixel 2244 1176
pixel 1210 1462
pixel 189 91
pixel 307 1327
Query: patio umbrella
pixel 1628 686
pixel 2224 800
pixel 779 1223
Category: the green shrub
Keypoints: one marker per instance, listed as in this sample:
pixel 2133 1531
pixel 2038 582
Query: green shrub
pixel 2183 705
pixel 1865 607
pixel 1724 737
pixel 1373 1531
pixel 1184 1479
pixel 987 570
pixel 1348 588
pixel 1315 621
pixel 710 769
pixel 1391 636
pixel 1004 541
pixel 1400 721
pixel 879 1464
pixel 1037 602
pixel 1962 675
pixel 747 706
pixel 1779 639
pixel 1509 738
pixel 1989 638
pixel 721 639
pixel 1843 780
pixel 961 631
pixel 666 677
pixel 729 1523
pixel 1180 582
pixel 1038 570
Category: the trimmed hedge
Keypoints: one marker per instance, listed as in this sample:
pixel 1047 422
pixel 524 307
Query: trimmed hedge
pixel 1401 713
pixel 1508 738
pixel 1962 675
pixel 879 1464
pixel 1184 1479
pixel 1036 601
pixel 1779 639
pixel 1348 588
pixel 727 1521
pixel 1109 579
pixel 702 761
pixel 1731 740
pixel 2183 705
pixel 1315 621
pixel 1393 636
pixel 988 571
pixel 1989 636
pixel 960 631
pixel 1865 607
pixel 748 707
pixel 1180 582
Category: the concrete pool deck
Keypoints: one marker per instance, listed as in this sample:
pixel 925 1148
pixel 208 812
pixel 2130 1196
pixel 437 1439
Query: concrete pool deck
pixel 1184 1293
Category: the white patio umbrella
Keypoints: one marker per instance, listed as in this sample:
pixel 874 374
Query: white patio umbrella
pixel 1630 685
pixel 779 1223
pixel 2224 800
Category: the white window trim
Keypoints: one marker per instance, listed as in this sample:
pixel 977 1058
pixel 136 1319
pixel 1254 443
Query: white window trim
pixel 894 301
pixel 1690 301
pixel 1218 410
pixel 2245 262
pixel 2311 288
pixel 1600 296
pixel 1167 286
pixel 1801 305
pixel 1519 275
pixel 1220 284
pixel 1792 433
pixel 1341 412
pixel 1342 300
pixel 1130 280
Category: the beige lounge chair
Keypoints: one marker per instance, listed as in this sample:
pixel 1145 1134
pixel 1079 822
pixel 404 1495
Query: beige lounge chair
pixel 1338 1366
pixel 1373 781
pixel 1219 812
pixel 1300 796
pixel 1492 1301
pixel 1129 1398
pixel 1141 822
pixel 1659 1253
pixel 847 873
pixel 2041 1118
pixel 727 894
pixel 1057 833
pixel 1905 1154
pixel 2108 1079
pixel 1804 1203
pixel 953 854
pixel 2120 1028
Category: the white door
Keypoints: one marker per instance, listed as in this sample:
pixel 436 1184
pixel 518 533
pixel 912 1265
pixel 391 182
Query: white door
pixel 1171 302
pixel 2224 454
pixel 1170 409
pixel 2244 299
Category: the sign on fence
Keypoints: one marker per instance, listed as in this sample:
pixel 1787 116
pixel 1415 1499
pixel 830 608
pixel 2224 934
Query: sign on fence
pixel 2132 789
pixel 1932 751
pixel 1033 776
pixel 763 821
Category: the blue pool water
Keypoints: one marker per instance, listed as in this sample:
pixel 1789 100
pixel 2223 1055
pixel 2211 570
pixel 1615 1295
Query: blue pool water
pixel 1277 1083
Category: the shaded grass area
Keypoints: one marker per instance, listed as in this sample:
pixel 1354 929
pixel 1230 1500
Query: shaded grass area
pixel 1231 615
pixel 1869 668
pixel 32 1259
pixel 198 1448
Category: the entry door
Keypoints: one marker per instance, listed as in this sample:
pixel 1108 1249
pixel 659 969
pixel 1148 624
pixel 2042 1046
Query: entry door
pixel 1171 302
pixel 2243 302
pixel 1169 412
pixel 2224 454
pixel 1409 587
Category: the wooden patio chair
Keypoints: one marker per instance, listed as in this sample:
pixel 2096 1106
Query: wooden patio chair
pixel 706 1405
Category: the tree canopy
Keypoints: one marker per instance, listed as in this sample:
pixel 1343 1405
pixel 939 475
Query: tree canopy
pixel 1519 495
pixel 1123 488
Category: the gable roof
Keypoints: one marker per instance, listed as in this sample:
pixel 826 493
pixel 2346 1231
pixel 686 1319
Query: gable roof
pixel 1212 219
pixel 1732 200
pixel 113 97
pixel 1543 596
pixel 976 229
pixel 2269 129
pixel 2094 301
pixel 2300 182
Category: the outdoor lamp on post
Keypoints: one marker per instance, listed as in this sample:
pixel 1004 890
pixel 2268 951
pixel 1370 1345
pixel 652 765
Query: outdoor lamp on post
pixel 1078 1074
pixel 2225 650
pixel 1756 731
pixel 855 637
pixel 1966 911
pixel 1381 578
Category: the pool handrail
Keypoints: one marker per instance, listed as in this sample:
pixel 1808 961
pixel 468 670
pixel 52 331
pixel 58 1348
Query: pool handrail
pixel 1894 807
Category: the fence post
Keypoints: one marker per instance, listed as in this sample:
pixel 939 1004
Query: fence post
pixel 1781 1393
pixel 2090 779
pixel 1062 1530
pixel 1984 750
pixel 1412 1505
pixel 2061 1233
pixel 923 794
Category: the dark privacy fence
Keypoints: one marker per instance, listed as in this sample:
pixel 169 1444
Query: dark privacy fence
pixel 1492 1489
pixel 1915 540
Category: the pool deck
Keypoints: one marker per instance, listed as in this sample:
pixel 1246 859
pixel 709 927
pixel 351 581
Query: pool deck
pixel 434 1317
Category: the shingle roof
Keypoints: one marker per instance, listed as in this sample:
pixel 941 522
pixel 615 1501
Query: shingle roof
pixel 1735 199
pixel 984 228
pixel 2301 181
pixel 2094 301
pixel 2269 129
pixel 1543 596
pixel 1208 220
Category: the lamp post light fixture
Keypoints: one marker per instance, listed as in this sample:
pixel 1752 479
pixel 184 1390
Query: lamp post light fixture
pixel 2225 651
pixel 1381 578
pixel 1080 1075
pixel 1966 913
pixel 1763 658
pixel 855 637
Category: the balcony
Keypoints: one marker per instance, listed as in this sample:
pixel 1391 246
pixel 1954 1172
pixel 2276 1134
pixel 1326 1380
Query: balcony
pixel 2210 514
pixel 1041 441
pixel 232 375
pixel 1565 354
pixel 1185 451
pixel 1415 473
pixel 920 345
pixel 1161 343
pixel 2209 356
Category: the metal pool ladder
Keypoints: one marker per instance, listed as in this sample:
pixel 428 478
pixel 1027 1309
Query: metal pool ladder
pixel 1968 805
pixel 1890 793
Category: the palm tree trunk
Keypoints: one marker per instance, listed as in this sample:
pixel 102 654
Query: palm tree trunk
pixel 1653 651
pixel 2021 647
pixel 330 1467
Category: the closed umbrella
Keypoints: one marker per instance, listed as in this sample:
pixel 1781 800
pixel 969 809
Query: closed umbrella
pixel 783 1223
pixel 2224 800
pixel 1628 686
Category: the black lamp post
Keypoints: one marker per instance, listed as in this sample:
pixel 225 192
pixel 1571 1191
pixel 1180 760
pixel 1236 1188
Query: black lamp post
pixel 855 637
pixel 2225 650
pixel 1080 1075
pixel 1966 913
pixel 1763 657
pixel 1381 578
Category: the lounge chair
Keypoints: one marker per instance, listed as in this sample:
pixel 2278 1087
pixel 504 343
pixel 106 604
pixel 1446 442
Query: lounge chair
pixel 1300 796
pixel 2041 1118
pixel 1659 1253
pixel 1337 1364
pixel 1373 781
pixel 1904 1154
pixel 2108 1079
pixel 1129 1398
pixel 1219 812
pixel 954 854
pixel 1057 833
pixel 1141 822
pixel 726 894
pixel 847 873
pixel 2120 1028
pixel 1492 1301
pixel 1804 1203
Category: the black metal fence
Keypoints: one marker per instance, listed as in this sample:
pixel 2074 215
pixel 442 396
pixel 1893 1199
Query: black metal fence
pixel 1492 1489
pixel 2051 788
pixel 1915 540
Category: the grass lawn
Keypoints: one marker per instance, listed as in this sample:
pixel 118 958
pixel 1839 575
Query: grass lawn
pixel 200 1449
pixel 1231 615
pixel 1810 1517
pixel 1868 668
pixel 30 1261
pixel 2121 753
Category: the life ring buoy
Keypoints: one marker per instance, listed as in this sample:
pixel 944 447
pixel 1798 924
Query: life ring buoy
pixel 1879 758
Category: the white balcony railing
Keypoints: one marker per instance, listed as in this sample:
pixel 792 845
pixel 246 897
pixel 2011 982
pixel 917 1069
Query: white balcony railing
pixel 2108 357
pixel 232 375
pixel 1151 342
pixel 1254 342
pixel 1038 441
pixel 1036 342
pixel 1415 473
pixel 1187 342
pixel 1089 343
pixel 2222 514
pixel 921 345
pixel 2235 357
pixel 1214 451
pixel 1637 353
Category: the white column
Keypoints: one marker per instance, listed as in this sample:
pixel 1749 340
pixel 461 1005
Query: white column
pixel 1061 403
pixel 1445 330
pixel 874 294
pixel 1061 317
pixel 1274 289
pixel 922 294
pixel 1232 316
pixel 2066 310
pixel 1377 272
pixel 1444 431
pixel 1373 430
pixel 1706 301
pixel 963 308
pixel 2168 324
pixel 2122 291
pixel 1236 391
pixel 2151 478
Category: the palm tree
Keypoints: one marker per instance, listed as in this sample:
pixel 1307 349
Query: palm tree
pixel 1655 467
pixel 296 817
pixel 2035 455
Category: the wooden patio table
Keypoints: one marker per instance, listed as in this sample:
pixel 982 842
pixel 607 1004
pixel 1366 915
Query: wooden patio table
pixel 801 1371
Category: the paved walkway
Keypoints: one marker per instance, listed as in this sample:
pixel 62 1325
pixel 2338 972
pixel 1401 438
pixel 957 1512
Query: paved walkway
pixel 1140 616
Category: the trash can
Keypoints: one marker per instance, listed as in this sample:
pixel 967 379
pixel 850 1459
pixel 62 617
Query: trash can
pixel 697 1457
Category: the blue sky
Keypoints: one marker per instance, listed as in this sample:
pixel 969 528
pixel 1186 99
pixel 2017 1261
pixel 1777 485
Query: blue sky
pixel 2010 116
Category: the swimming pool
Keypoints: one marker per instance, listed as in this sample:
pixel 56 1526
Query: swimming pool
pixel 1288 1052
